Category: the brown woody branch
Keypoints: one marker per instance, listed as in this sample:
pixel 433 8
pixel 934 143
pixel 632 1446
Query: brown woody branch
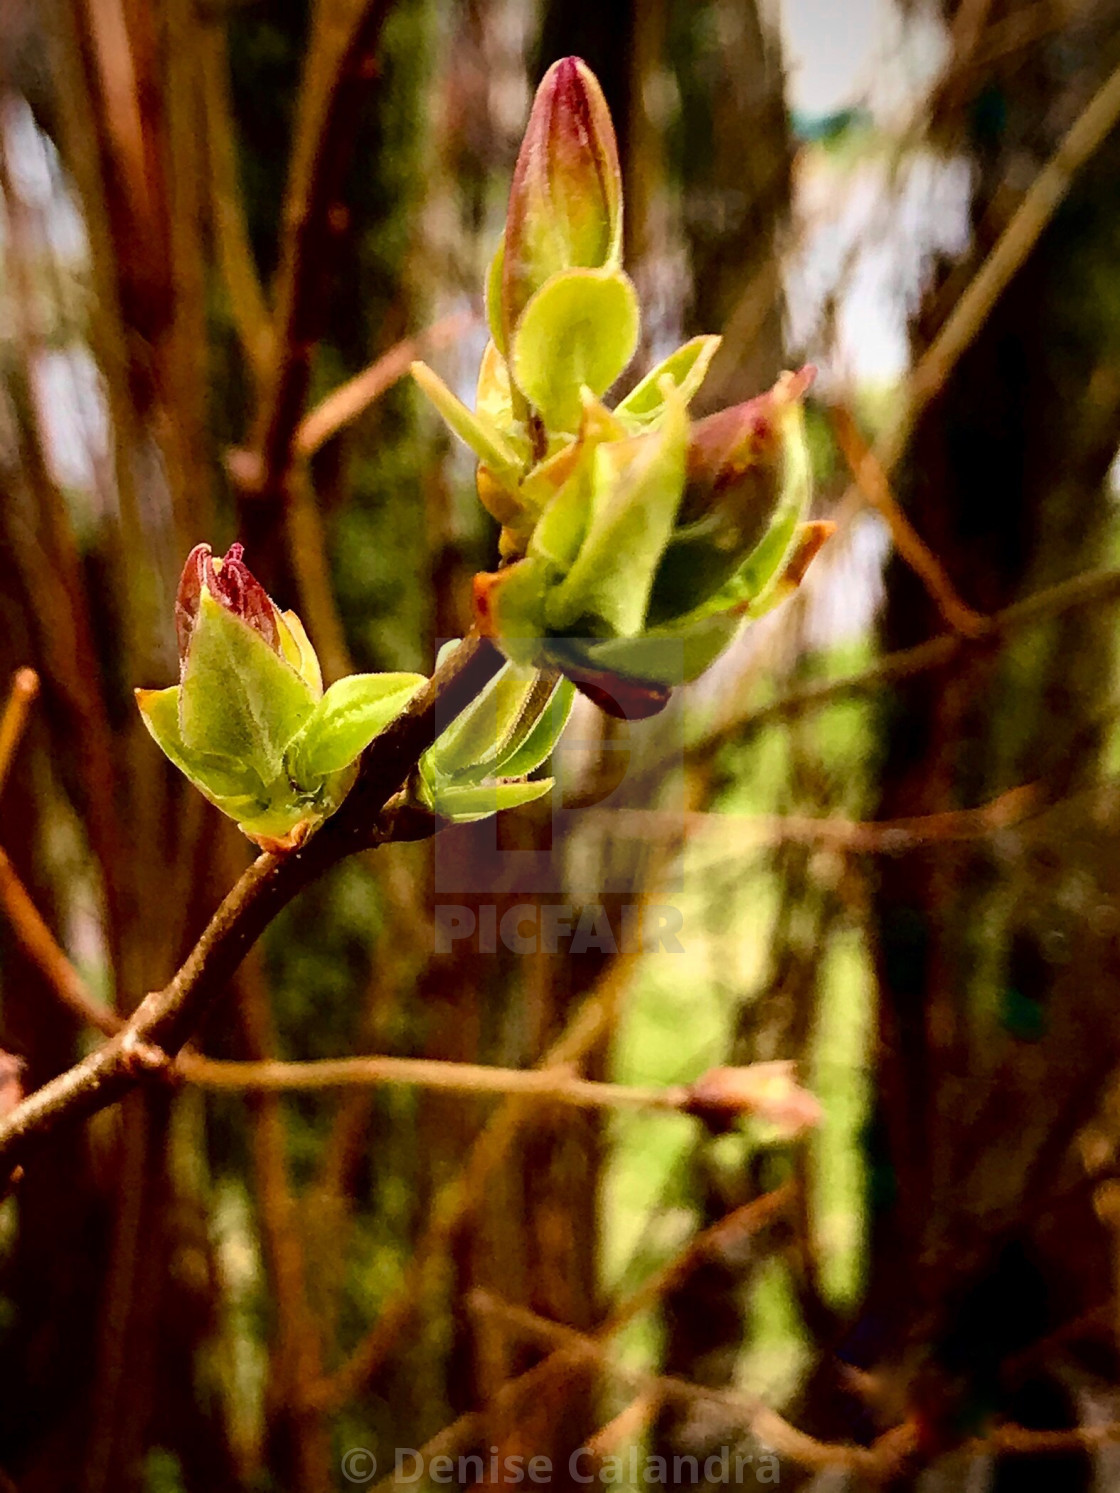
pixel 895 1450
pixel 728 1232
pixel 42 948
pixel 771 1428
pixel 166 1018
pixel 543 1084
pixel 873 483
pixel 355 396
pixel 248 309
pixel 968 314
pixel 555 1084
pixel 456 1199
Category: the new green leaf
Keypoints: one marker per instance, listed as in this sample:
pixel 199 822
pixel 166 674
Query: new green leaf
pixel 579 330
pixel 685 369
pixel 351 713
pixel 474 430
pixel 239 699
pixel 635 494
pixel 464 805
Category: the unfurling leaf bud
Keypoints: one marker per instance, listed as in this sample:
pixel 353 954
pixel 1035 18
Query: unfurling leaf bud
pixel 248 723
pixel 565 204
pixel 482 763
pixel 766 1091
pixel 726 450
pixel 232 585
pixel 735 470
pixel 635 542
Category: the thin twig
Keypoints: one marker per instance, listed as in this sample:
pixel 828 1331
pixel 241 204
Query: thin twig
pixel 892 1450
pixel 968 24
pixel 307 551
pixel 1007 255
pixel 1045 194
pixel 404 946
pixel 871 836
pixel 307 545
pixel 355 396
pixel 13 722
pixel 628 1425
pixel 298 1350
pixel 556 1087
pixel 1011 1440
pixel 1014 32
pixel 872 480
pixel 339 69
pixel 470 1427
pixel 43 949
pixel 766 1424
pixel 68 651
pixel 731 1229
pixel 1088 589
pixel 752 1091
pixel 297 1353
pixel 231 233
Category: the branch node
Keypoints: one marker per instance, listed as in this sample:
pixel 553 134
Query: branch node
pixel 141 1057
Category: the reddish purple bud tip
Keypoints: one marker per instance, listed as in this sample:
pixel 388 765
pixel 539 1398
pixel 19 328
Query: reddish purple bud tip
pixel 233 585
pixel 726 450
pixel 565 204
pixel 625 699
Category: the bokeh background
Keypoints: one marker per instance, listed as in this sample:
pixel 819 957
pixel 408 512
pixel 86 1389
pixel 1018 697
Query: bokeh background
pixel 888 818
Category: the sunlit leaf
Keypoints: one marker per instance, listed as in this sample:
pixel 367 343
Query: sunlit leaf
pixel 562 527
pixel 494 297
pixel 493 400
pixel 351 713
pixel 633 507
pixel 579 330
pixel 686 369
pixel 298 651
pixel 221 780
pixel 751 585
pixel 540 742
pixel 487 443
pixel 489 727
pixel 669 655
pixel 464 805
pixel 510 606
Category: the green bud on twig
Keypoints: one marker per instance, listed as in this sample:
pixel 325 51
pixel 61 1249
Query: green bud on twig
pixel 248 723
pixel 251 727
pixel 482 762
pixel 565 203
